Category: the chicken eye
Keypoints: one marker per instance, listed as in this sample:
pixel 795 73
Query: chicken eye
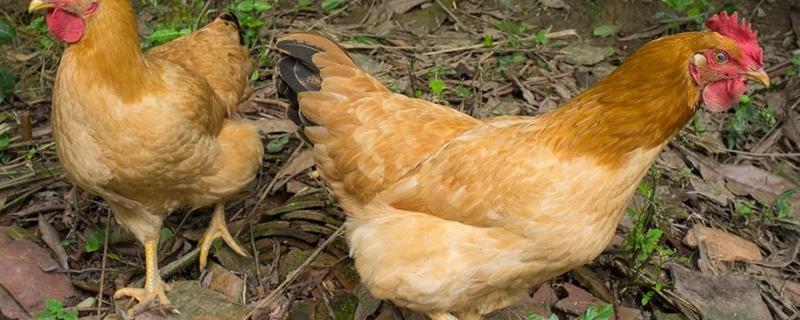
pixel 721 57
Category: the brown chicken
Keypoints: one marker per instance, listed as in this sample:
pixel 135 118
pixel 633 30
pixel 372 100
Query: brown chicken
pixel 457 217
pixel 151 132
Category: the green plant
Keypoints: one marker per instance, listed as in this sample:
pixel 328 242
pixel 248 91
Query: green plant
pixel 794 69
pixel 743 208
pixel 745 118
pixel 696 9
pixel 54 310
pixel 7 83
pixel 643 242
pixel 604 312
pixel 251 16
pixel 532 316
pixel 782 208
pixel 7 32
pixel 38 27
pixel 278 143
pixel 94 241
pixel 514 30
pixel 331 5
pixel 435 82
pixel 541 38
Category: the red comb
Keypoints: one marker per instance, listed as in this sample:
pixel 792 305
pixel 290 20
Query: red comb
pixel 741 32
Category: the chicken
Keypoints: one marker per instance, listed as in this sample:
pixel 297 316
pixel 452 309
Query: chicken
pixel 457 217
pixel 151 132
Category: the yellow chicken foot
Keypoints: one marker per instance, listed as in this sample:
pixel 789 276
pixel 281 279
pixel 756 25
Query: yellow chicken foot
pixel 217 229
pixel 154 290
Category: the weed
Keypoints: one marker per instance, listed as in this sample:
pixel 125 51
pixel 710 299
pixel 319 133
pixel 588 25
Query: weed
pixel 696 9
pixel 643 242
pixel 54 310
pixel 329 6
pixel 541 38
pixel 794 69
pixel 745 118
pixel 597 312
pixel 94 241
pixel 278 143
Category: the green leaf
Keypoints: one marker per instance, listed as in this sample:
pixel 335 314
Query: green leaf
pixel 437 86
pixel 365 40
pixel 53 305
pixel 604 312
pixel 163 235
pixel 605 30
pixel 277 144
pixel 488 41
pixel 7 32
pixel 541 37
pixel 94 241
pixel 261 6
pixel 7 83
pixel 165 35
pixel 330 5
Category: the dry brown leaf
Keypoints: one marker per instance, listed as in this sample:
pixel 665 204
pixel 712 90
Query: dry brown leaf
pixel 223 281
pixel 53 241
pixel 758 183
pixel 577 301
pixel 297 164
pixel 720 297
pixel 721 245
pixel 266 126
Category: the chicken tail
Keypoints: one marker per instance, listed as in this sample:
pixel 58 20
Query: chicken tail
pixel 311 58
pixel 230 17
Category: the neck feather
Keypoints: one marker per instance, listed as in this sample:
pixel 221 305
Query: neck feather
pixel 641 105
pixel 109 51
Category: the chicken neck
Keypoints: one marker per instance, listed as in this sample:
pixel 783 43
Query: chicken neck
pixel 109 52
pixel 640 106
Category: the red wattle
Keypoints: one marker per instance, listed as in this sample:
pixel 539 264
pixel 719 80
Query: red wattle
pixel 724 94
pixel 65 26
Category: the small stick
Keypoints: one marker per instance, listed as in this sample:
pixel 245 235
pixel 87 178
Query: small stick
pixel 103 267
pixel 293 276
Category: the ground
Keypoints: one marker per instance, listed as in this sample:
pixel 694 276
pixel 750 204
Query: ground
pixel 712 232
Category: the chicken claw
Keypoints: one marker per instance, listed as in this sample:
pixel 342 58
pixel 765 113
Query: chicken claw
pixel 154 290
pixel 217 229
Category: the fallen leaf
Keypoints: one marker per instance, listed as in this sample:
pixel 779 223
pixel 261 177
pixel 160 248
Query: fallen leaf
pixel 758 183
pixel 555 4
pixel 720 297
pixel 585 54
pixel 367 304
pixel 225 282
pixel 53 241
pixel 21 262
pixel 297 164
pixel 605 30
pixel 721 245
pixel 543 300
pixel 266 126
pixel 577 301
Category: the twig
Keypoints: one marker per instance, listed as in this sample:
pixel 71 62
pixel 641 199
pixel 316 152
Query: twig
pixel 293 276
pixel 756 154
pixel 459 25
pixel 103 267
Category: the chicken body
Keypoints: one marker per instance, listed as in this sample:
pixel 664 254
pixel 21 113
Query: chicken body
pixel 454 216
pixel 152 133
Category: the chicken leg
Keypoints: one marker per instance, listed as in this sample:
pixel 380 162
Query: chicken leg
pixel 154 287
pixel 217 229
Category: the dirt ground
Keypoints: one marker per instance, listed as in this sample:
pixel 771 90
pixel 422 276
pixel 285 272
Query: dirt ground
pixel 711 234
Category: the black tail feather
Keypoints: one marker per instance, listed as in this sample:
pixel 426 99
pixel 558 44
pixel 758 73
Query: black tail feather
pixel 231 17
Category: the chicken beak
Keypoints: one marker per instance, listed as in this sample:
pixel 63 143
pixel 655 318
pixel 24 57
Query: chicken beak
pixel 759 75
pixel 39 5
